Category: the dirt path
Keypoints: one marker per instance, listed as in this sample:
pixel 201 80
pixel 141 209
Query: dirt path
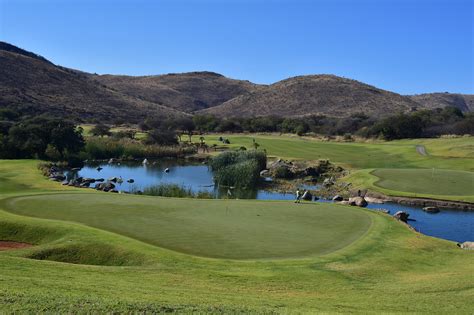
pixel 421 149
pixel 7 245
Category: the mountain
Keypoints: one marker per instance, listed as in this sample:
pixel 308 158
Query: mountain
pixel 464 102
pixel 315 94
pixel 33 83
pixel 36 85
pixel 186 92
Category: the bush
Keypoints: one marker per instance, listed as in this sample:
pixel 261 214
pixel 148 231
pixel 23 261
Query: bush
pixel 238 168
pixel 174 190
pixel 106 148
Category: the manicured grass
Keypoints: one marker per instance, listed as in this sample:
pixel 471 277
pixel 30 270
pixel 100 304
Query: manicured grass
pixel 234 229
pixel 419 183
pixel 446 156
pixel 96 269
pixel 362 155
pixel 426 181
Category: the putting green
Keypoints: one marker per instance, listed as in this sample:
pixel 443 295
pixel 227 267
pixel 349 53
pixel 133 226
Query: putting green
pixel 234 229
pixel 426 181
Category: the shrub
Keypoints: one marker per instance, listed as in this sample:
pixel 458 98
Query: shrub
pixel 174 190
pixel 238 168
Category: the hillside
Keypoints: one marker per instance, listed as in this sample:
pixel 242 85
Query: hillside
pixel 436 100
pixel 186 92
pixel 34 84
pixel 315 94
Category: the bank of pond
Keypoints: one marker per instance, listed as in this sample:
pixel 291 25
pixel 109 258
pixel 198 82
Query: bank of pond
pixel 197 180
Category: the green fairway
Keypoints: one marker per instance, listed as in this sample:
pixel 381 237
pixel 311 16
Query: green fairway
pixel 403 171
pixel 456 154
pixel 426 181
pixel 108 253
pixel 234 229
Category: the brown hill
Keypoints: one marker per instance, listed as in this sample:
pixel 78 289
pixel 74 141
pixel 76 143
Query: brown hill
pixel 315 94
pixel 464 102
pixel 30 81
pixel 186 92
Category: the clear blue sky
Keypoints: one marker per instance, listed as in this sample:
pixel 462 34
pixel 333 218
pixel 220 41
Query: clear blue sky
pixel 407 46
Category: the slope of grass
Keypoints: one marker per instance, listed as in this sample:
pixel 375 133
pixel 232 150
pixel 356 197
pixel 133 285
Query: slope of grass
pixel 234 229
pixel 360 155
pixel 456 154
pixel 389 269
pixel 419 183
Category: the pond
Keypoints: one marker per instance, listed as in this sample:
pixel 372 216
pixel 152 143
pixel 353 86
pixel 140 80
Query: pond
pixel 451 224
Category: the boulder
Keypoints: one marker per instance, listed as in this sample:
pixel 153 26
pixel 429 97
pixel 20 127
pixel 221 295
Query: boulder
pixel 431 209
pixel 328 182
pixel 311 171
pixel 337 198
pixel 402 216
pixel 99 180
pixel 347 203
pixel 373 200
pixel 131 181
pixel 88 180
pixel 265 173
pixel 359 201
pixel 84 185
pixel 466 245
pixel 113 179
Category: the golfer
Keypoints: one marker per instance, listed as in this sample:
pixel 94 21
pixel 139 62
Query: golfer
pixel 298 196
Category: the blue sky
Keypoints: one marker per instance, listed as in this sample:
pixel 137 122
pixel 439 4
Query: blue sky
pixel 407 46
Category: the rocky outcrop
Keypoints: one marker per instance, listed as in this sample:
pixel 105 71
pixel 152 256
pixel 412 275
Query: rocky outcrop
pixel 466 245
pixel 402 216
pixel 431 209
pixel 358 201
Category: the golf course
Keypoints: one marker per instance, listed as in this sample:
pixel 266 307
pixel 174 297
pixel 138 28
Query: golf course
pixel 100 252
pixel 393 168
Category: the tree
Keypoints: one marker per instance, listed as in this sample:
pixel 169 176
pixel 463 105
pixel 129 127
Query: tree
pixel 161 137
pixel 100 130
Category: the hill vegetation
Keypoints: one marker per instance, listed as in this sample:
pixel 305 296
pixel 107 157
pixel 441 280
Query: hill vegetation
pixel 31 84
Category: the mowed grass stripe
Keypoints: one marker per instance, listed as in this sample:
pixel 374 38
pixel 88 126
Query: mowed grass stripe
pixel 232 229
pixel 426 181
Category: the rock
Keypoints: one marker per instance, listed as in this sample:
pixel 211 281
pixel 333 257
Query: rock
pixel 105 186
pixel 145 162
pixel 431 209
pixel 307 196
pixel 337 198
pixel 99 169
pixel 311 171
pixel 65 183
pixel 88 180
pixel 402 216
pixel 167 170
pixel 359 201
pixel 75 169
pixel 113 179
pixel 466 245
pixel 84 185
pixel 57 177
pixel 112 160
pixel 374 200
pixel 113 191
pixel 130 181
pixel 347 203
pixel 264 173
pixel 315 198
pixel 328 182
pixel 99 180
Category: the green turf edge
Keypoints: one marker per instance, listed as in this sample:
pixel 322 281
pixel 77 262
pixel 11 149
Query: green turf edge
pixel 364 179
